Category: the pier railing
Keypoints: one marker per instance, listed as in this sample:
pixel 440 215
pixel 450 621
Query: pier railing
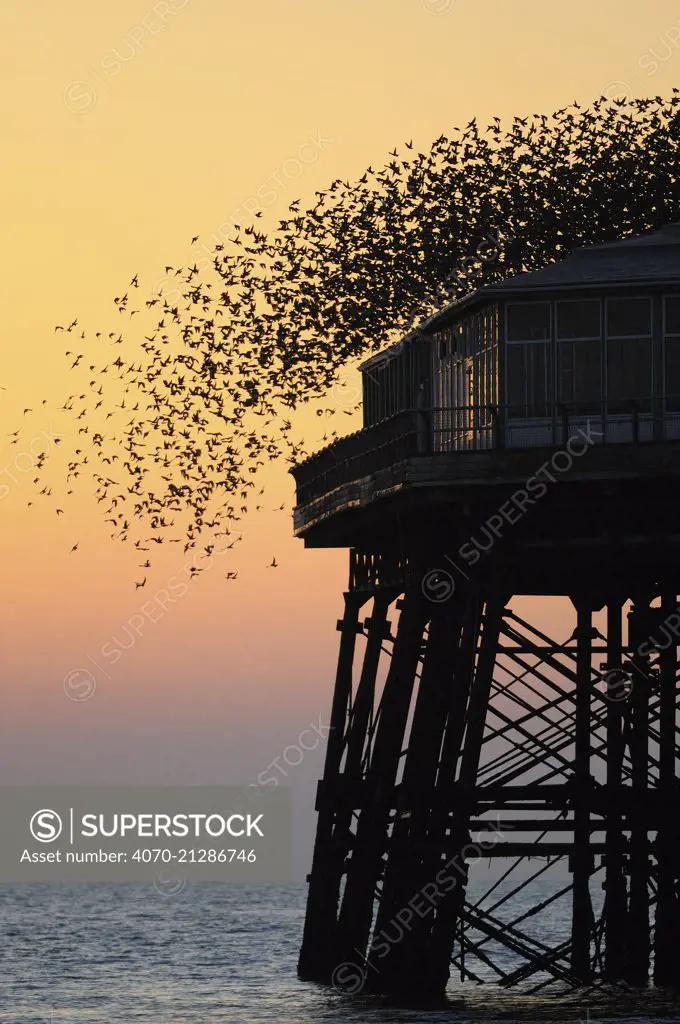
pixel 471 428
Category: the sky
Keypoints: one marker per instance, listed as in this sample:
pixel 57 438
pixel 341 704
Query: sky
pixel 128 129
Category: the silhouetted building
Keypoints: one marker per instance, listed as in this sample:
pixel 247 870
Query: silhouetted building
pixel 523 441
pixel 596 335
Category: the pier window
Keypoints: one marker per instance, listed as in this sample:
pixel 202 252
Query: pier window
pixel 671 333
pixel 485 359
pixel 442 415
pixel 528 358
pixel 579 355
pixel 629 354
pixel 462 382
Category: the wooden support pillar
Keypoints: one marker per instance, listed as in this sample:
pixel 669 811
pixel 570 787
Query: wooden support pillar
pixel 317 954
pixel 615 903
pixel 377 630
pixel 638 945
pixel 454 877
pixel 366 864
pixel 666 931
pixel 463 674
pixel 399 958
pixel 582 914
pixel 351 777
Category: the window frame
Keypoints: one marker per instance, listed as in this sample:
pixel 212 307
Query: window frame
pixel 529 341
pixel 627 337
pixel 549 375
pixel 594 338
pixel 664 349
pixel 549 342
pixel 570 302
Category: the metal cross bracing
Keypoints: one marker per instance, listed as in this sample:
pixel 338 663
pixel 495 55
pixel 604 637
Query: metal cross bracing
pixel 461 731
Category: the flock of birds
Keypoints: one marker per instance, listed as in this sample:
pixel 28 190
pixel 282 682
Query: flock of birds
pixel 174 424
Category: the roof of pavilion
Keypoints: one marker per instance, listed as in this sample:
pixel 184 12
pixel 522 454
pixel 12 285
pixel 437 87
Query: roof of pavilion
pixel 653 257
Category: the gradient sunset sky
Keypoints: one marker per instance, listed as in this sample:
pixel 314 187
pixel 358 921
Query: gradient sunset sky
pixel 128 128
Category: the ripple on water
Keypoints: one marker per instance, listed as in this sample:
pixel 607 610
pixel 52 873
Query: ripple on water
pixel 115 954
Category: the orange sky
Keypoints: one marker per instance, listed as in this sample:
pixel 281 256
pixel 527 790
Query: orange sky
pixel 128 128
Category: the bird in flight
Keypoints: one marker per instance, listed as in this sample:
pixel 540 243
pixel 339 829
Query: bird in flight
pixel 202 403
pixel 139 585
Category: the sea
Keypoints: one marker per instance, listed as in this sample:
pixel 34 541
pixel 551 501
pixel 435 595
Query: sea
pixel 221 954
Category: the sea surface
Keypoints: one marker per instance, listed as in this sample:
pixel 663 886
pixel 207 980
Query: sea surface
pixel 215 954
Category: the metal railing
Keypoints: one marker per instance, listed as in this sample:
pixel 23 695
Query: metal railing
pixel 472 428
